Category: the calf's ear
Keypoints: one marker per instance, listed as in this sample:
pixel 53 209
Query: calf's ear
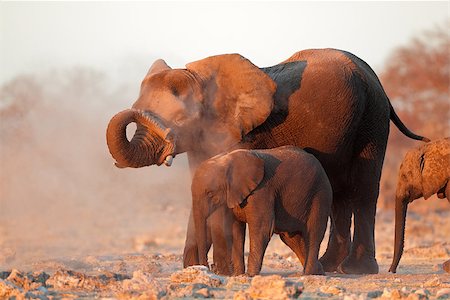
pixel 245 173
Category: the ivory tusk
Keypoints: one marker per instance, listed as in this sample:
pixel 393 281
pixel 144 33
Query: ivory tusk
pixel 168 160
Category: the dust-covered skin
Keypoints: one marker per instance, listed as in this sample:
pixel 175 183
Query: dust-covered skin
pixel 424 171
pixel 153 270
pixel 259 188
pixel 328 101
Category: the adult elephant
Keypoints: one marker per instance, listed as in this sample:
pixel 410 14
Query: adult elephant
pixel 327 101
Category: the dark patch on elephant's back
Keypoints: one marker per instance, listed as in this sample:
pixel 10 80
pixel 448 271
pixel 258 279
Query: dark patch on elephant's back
pixel 287 76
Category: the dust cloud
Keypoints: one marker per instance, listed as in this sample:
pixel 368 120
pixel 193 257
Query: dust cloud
pixel 59 190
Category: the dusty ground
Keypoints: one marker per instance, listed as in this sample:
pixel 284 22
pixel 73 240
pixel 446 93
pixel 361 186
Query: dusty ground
pixel 149 265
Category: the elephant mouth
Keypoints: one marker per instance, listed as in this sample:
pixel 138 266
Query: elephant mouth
pixel 152 143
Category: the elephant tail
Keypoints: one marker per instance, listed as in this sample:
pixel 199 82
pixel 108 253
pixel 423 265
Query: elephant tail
pixel 394 117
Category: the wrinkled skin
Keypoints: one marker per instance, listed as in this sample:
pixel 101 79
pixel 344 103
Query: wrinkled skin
pixel 327 101
pixel 258 187
pixel 425 171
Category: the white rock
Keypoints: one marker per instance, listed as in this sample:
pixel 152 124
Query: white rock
pixel 443 293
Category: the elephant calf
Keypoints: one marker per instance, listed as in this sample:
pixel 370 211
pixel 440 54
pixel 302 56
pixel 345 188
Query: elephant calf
pixel 283 190
pixel 425 171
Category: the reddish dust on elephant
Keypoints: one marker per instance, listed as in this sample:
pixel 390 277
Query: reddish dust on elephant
pixel 425 171
pixel 326 101
pixel 259 188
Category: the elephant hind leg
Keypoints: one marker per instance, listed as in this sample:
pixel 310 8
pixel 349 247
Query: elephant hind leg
pixel 365 177
pixel 339 241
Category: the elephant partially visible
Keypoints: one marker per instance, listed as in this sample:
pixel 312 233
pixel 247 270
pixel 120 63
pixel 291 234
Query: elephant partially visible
pixel 425 171
pixel 326 101
pixel 260 188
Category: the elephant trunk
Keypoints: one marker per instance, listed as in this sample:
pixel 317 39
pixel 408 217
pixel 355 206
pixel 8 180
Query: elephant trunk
pixel 401 206
pixel 152 142
pixel 200 218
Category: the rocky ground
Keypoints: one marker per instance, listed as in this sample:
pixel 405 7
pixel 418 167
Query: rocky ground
pixel 150 268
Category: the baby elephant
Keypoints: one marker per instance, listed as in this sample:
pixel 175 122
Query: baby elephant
pixel 283 190
pixel 424 171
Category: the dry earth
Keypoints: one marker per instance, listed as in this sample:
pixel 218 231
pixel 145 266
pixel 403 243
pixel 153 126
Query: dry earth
pixel 148 266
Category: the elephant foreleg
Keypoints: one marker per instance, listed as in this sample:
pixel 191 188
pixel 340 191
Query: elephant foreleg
pixel 221 235
pixel 190 253
pixel 237 252
pixel 260 230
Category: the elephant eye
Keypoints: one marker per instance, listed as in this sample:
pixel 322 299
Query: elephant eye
pixel 216 200
pixel 174 91
pixel 209 194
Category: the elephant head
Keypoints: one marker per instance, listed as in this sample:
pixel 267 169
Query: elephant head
pixel 222 183
pixel 425 171
pixel 205 108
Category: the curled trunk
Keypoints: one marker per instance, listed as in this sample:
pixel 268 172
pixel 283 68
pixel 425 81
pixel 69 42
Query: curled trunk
pixel 401 206
pixel 151 144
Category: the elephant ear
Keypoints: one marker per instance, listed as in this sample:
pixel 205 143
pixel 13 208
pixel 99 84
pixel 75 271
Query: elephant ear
pixel 245 173
pixel 158 66
pixel 238 93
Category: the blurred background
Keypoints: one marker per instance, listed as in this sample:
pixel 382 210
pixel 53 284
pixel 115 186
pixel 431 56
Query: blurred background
pixel 67 68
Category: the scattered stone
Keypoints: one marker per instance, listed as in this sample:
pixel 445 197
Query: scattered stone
pixel 195 290
pixel 443 293
pixel 204 292
pixel 10 291
pixel 238 281
pixel 242 295
pixel 68 280
pixel 354 297
pixel 397 280
pixel 434 282
pixel 422 292
pixel 27 281
pixel 334 290
pixel 446 266
pixel 392 294
pixel 19 279
pixel 42 289
pixel 4 274
pixel 437 267
pixel 416 297
pixel 374 294
pixel 141 282
pixel 273 287
pixel 277 261
pixel 197 274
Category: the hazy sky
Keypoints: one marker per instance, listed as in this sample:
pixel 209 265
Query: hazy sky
pixel 124 38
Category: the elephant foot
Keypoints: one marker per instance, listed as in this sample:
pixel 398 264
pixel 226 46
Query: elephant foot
pixel 222 269
pixel 331 261
pixel 190 256
pixel 317 269
pixel 352 265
